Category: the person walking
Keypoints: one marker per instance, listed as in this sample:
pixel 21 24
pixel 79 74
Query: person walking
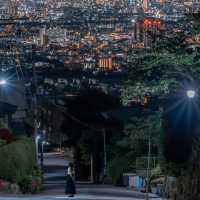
pixel 70 188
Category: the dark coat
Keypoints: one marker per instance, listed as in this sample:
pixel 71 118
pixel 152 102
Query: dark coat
pixel 70 186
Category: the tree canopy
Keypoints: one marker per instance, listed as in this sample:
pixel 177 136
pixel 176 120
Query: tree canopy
pixel 166 72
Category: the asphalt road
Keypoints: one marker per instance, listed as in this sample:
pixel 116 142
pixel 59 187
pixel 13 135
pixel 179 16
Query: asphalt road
pixel 52 159
pixel 99 191
pixel 72 198
pixel 55 168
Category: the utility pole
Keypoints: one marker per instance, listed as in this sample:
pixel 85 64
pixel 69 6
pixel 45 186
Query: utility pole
pixel 42 155
pixel 92 168
pixel 105 152
pixel 148 168
pixel 35 112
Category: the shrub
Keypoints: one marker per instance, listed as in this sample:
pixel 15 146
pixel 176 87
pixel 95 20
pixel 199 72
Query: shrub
pixel 24 183
pixel 18 164
pixel 2 142
pixel 116 167
pixel 4 185
pixel 36 184
pixel 5 134
pixel 31 183
pixel 17 159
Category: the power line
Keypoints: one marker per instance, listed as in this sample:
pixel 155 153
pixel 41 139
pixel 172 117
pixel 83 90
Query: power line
pixel 65 111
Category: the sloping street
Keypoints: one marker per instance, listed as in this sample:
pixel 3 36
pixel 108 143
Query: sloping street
pixel 55 165
pixel 54 185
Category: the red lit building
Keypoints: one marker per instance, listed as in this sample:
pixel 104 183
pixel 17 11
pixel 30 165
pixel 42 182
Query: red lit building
pixel 146 30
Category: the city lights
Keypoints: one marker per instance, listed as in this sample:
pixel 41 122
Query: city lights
pixel 98 83
pixel 151 22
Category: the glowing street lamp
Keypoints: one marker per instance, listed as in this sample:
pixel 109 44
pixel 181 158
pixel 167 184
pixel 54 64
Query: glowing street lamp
pixel 3 82
pixel 38 137
pixel 133 20
pixel 191 94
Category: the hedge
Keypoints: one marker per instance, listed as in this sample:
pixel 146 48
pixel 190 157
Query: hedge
pixel 2 142
pixel 17 159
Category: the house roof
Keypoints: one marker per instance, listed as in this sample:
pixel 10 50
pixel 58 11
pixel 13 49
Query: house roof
pixel 13 93
pixel 6 108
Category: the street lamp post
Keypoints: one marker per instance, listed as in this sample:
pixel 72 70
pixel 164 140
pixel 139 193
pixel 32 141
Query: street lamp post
pixel 34 102
pixel 39 142
pixel 148 167
pixel 42 154
pixel 37 139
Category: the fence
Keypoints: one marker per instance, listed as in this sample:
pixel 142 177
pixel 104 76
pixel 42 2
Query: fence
pixel 142 163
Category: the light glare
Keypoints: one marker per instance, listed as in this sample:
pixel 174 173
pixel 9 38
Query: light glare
pixel 190 93
pixel 2 82
pixel 38 137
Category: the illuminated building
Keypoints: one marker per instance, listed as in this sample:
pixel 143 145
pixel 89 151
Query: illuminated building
pixel 8 9
pixel 146 30
pixel 105 63
pixel 43 37
pixel 145 5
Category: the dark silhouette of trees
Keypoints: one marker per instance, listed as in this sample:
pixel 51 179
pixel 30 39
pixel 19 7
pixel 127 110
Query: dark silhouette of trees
pixel 85 120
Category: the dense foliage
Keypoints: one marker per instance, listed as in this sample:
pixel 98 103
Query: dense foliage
pixel 84 124
pixel 18 163
pixel 160 73
pixel 17 159
pixel 134 143
pixel 164 74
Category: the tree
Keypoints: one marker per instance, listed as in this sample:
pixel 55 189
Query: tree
pixel 134 143
pixel 83 126
pixel 162 73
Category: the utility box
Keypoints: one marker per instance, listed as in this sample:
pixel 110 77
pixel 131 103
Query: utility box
pixel 133 180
